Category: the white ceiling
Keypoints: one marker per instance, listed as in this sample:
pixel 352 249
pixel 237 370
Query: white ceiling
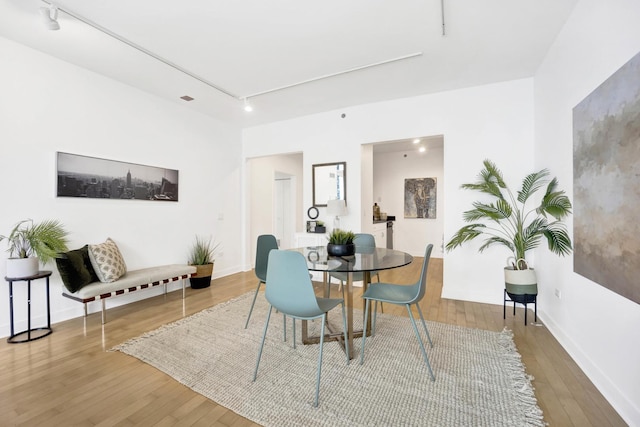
pixel 247 47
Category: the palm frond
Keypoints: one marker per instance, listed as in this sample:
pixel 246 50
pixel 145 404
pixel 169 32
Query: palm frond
pixel 532 183
pixel 465 234
pixel 493 240
pixel 494 173
pixel 554 203
pixel 489 212
pixel 489 181
pixel 558 238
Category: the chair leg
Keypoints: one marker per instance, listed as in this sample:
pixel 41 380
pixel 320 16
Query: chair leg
pixel 284 329
pixel 381 304
pixel 252 304
pixel 375 317
pixel 324 317
pixel 344 326
pixel 364 330
pixel 424 352
pixel 293 320
pixel 264 335
pixel 425 325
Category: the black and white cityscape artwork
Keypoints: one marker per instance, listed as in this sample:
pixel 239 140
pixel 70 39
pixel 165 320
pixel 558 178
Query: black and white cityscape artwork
pixel 91 177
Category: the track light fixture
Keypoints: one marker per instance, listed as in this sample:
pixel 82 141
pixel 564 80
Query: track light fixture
pixel 49 16
pixel 247 107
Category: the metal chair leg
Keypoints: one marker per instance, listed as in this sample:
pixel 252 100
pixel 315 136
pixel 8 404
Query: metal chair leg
pixel 264 335
pixel 424 324
pixel 324 317
pixel 293 320
pixel 252 304
pixel 424 352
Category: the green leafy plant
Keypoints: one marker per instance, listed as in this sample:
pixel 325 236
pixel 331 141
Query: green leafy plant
pixel 341 237
pixel 508 221
pixel 203 251
pixel 45 240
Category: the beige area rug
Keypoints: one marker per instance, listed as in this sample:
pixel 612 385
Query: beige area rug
pixel 480 380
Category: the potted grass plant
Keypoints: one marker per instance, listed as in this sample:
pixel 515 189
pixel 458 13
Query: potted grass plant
pixel 30 242
pixel 513 222
pixel 202 256
pixel 341 243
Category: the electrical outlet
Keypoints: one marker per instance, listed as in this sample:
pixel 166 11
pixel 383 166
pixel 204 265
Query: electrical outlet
pixel 558 294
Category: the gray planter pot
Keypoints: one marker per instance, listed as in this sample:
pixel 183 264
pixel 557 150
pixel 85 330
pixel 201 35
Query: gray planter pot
pixel 22 267
pixel 521 285
pixel 341 250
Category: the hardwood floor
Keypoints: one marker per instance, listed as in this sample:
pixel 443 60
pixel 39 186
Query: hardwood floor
pixel 70 377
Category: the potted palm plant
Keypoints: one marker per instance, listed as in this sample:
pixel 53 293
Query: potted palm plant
pixel 202 256
pixel 341 243
pixel 29 242
pixel 509 221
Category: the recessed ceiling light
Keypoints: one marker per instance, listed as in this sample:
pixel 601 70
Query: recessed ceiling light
pixel 186 98
pixel 416 141
pixel 422 149
pixel 247 107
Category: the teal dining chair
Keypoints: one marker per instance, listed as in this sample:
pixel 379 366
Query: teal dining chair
pixel 290 291
pixel 406 295
pixel 266 243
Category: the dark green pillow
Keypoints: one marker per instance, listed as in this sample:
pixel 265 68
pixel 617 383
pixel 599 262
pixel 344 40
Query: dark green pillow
pixel 75 269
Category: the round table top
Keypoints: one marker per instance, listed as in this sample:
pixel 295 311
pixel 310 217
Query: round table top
pixel 39 275
pixel 365 259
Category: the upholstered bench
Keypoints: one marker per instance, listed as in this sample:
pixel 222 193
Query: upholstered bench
pixel 98 272
pixel 132 281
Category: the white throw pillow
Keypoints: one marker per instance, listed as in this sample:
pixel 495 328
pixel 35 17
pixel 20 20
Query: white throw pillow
pixel 107 261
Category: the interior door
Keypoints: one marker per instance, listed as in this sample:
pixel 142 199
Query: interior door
pixel 283 215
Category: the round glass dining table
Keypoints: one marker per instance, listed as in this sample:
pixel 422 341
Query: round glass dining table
pixel 365 260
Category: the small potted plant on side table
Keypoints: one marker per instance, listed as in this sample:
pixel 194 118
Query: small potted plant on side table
pixel 29 242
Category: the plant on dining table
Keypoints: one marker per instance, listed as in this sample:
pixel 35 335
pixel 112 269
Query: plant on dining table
pixel 341 237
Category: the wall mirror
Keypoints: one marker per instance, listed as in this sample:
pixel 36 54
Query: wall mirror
pixel 329 182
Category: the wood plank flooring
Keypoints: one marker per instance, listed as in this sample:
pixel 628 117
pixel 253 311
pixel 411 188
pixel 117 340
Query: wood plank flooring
pixel 69 378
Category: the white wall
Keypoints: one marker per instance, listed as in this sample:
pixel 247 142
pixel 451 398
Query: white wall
pixel 47 106
pixel 597 327
pixel 492 121
pixel 390 170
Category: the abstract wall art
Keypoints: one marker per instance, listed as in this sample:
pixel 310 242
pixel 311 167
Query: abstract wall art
pixel 420 198
pixel 606 183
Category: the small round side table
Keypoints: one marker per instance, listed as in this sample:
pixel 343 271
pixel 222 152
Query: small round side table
pixel 31 333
